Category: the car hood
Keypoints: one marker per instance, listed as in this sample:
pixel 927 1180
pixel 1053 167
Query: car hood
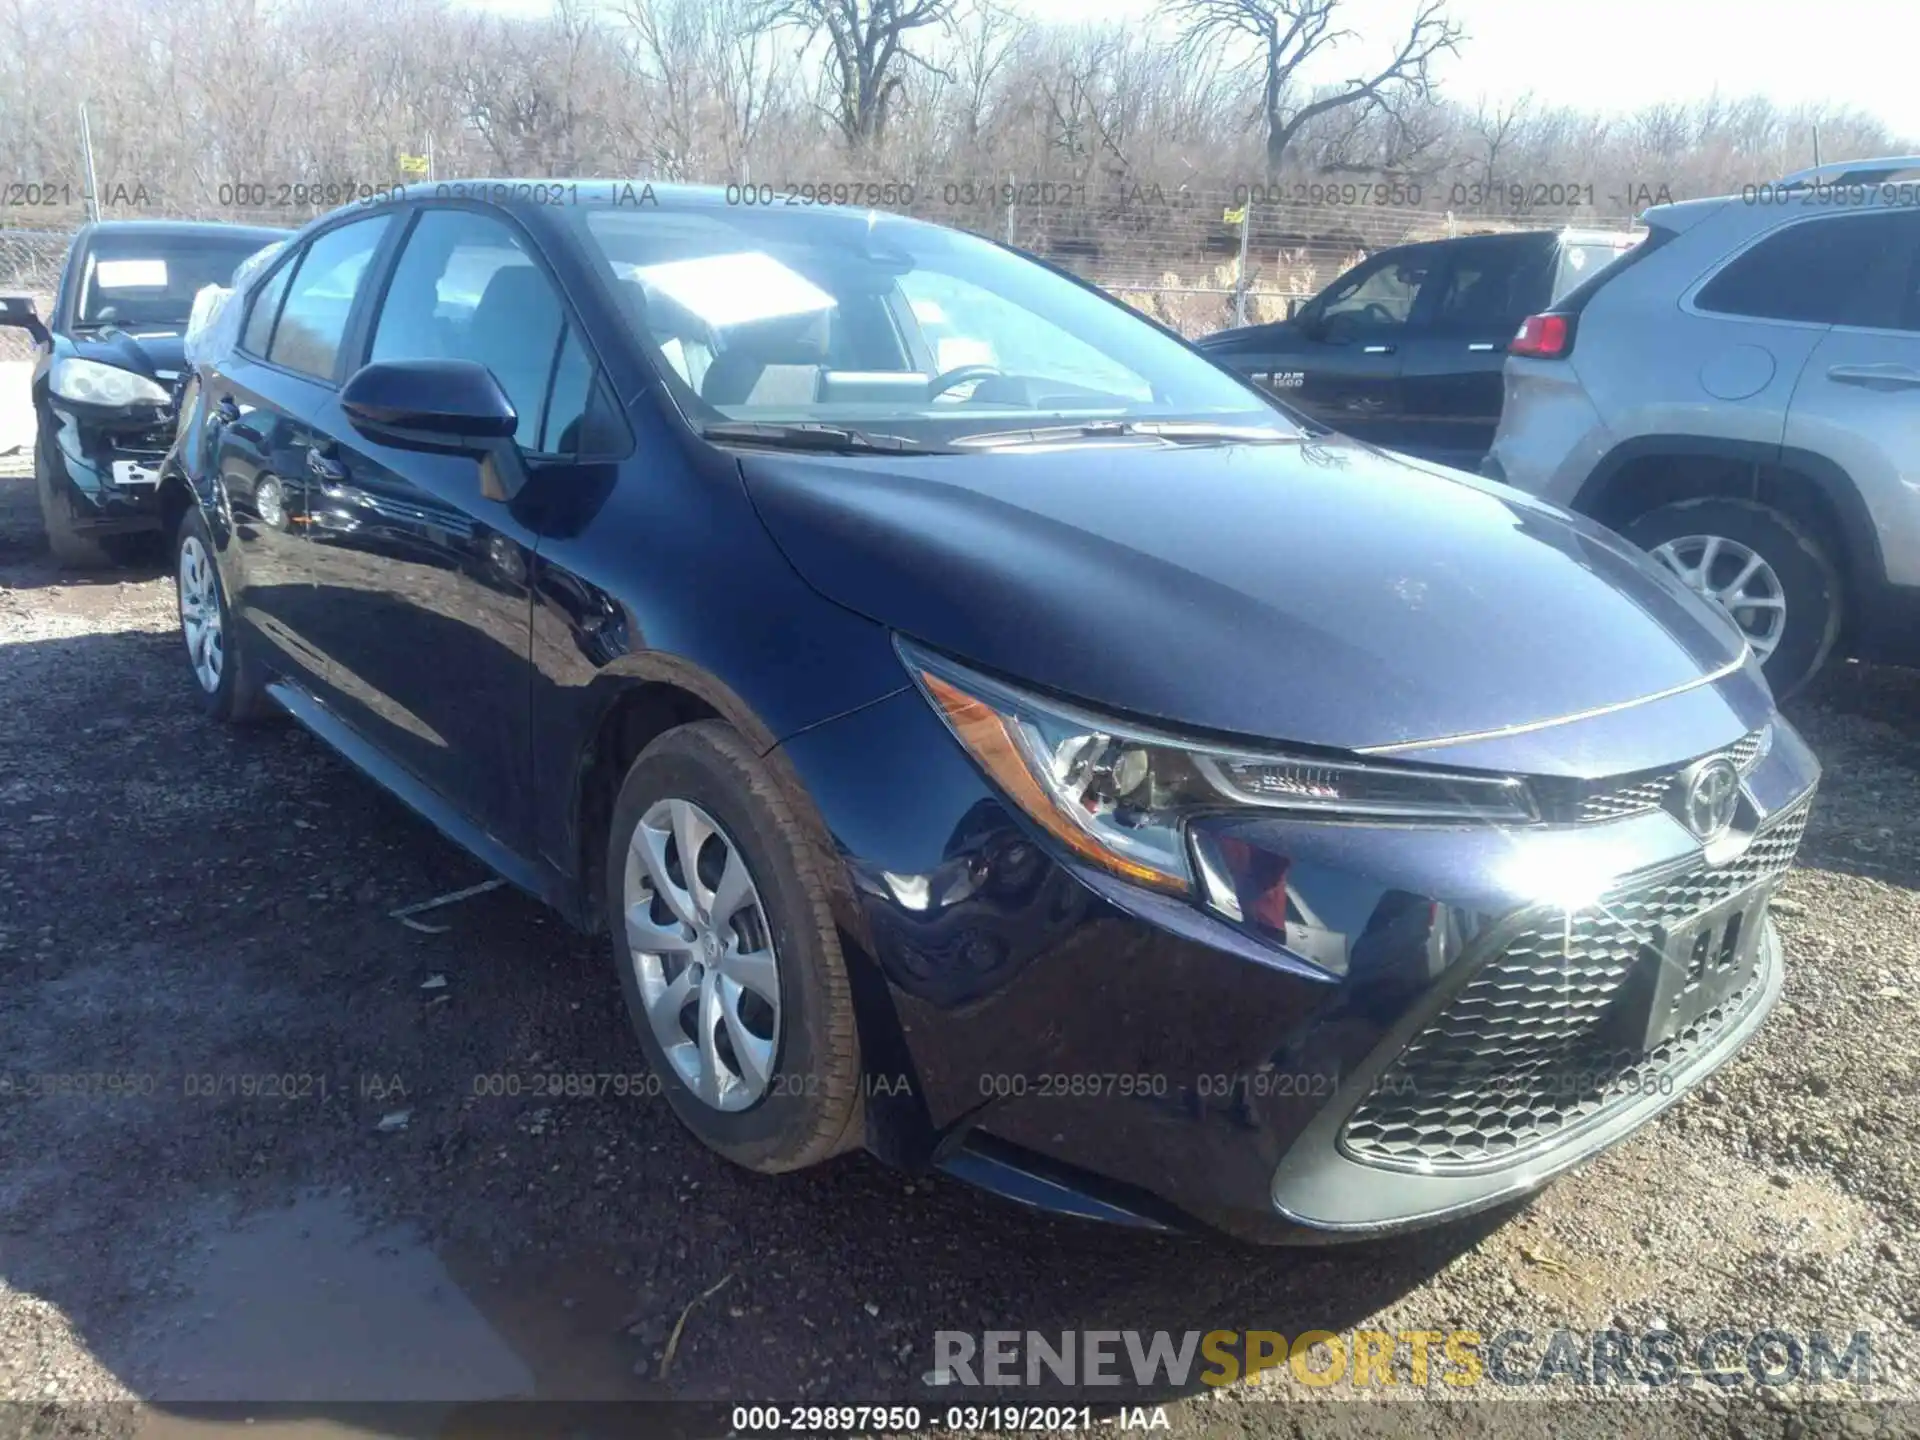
pixel 1320 593
pixel 159 354
pixel 1242 337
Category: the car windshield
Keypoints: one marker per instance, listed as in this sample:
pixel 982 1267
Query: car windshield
pixel 876 323
pixel 149 281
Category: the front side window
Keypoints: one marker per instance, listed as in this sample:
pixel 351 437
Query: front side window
pixel 872 320
pixel 580 418
pixel 1809 272
pixel 1373 299
pixel 313 320
pixel 466 289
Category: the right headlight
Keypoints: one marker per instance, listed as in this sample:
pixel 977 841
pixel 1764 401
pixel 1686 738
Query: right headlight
pixel 1119 794
pixel 92 383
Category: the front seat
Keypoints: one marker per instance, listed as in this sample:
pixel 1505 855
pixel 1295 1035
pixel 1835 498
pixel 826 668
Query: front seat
pixel 513 332
pixel 773 362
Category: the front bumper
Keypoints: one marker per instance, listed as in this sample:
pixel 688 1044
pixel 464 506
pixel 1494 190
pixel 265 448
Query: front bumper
pixel 105 466
pixel 1090 1048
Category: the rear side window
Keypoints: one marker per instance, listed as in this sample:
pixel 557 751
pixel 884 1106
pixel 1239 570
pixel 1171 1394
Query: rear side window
pixel 266 308
pixel 1492 287
pixel 465 289
pixel 1808 272
pixel 1889 298
pixel 313 321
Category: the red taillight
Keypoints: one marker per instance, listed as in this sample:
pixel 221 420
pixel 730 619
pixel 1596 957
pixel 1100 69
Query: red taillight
pixel 1545 337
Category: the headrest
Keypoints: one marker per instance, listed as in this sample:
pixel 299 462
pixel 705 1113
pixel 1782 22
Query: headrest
pixel 515 290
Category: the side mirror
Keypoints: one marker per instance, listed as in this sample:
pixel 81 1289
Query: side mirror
pixel 452 407
pixel 18 311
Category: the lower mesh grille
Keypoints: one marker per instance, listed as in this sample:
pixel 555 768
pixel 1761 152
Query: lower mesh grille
pixel 1525 1051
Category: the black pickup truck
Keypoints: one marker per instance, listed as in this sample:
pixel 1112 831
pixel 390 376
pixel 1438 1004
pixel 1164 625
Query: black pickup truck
pixel 1405 349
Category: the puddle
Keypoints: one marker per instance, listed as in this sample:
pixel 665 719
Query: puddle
pixel 305 1304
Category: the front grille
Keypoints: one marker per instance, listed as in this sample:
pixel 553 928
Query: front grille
pixel 1648 792
pixel 1525 1051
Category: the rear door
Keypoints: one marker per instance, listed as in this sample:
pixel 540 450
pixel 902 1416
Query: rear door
pixel 1858 401
pixel 1451 380
pixel 260 403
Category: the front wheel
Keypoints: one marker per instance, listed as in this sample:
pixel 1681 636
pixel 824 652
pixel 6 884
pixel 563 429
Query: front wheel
pixel 72 549
pixel 728 954
pixel 229 685
pixel 1775 581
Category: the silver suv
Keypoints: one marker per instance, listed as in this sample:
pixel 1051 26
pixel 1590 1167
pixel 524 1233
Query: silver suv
pixel 1741 396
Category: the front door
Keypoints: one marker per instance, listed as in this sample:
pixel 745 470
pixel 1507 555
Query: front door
pixel 1350 363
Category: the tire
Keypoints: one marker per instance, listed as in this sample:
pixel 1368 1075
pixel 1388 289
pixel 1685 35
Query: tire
pixel 807 1107
pixel 1808 581
pixel 234 693
pixel 72 549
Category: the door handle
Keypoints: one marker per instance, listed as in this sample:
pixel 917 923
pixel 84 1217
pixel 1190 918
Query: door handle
pixel 1376 349
pixel 1876 377
pixel 1483 346
pixel 324 467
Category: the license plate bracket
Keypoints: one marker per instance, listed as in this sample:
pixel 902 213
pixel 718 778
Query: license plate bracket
pixel 135 472
pixel 1702 962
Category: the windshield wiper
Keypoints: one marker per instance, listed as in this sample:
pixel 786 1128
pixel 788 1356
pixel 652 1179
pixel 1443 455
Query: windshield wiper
pixel 1172 432
pixel 814 435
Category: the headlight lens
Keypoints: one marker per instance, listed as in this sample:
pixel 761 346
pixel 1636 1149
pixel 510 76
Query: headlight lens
pixel 1119 794
pixel 92 383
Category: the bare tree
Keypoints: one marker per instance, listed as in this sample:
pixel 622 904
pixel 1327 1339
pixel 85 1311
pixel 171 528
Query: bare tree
pixel 867 53
pixel 1492 128
pixel 985 40
pixel 1283 37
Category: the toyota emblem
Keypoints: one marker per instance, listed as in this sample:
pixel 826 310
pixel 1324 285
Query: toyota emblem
pixel 1713 793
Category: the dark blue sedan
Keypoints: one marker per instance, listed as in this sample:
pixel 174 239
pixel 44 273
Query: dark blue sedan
pixel 989 732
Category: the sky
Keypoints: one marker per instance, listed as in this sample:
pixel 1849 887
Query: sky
pixel 1618 55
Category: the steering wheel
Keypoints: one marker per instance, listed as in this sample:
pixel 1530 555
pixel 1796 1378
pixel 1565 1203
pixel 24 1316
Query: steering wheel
pixel 1377 313
pixel 960 375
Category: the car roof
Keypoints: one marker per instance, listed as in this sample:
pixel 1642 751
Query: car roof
pixel 265 234
pixel 1561 235
pixel 535 197
pixel 604 192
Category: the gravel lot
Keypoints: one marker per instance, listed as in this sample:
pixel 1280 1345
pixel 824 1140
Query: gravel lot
pixel 178 900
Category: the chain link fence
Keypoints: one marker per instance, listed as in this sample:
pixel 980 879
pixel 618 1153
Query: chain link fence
pixel 30 262
pixel 1197 256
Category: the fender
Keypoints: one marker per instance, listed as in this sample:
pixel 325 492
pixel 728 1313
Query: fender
pixel 1865 562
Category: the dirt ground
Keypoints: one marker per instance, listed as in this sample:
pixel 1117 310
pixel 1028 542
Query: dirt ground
pixel 286 1176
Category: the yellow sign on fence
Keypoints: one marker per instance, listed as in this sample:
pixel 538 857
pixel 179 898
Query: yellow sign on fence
pixel 413 164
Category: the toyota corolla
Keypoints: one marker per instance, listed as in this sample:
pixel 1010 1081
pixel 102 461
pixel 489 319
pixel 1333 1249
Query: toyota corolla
pixel 987 731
